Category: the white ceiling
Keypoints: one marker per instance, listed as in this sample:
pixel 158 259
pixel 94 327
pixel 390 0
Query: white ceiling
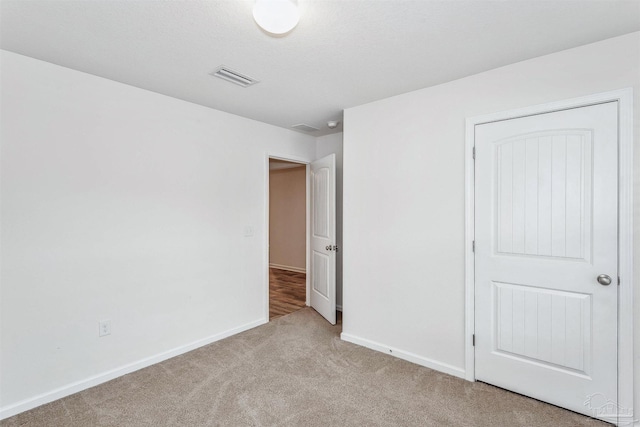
pixel 343 53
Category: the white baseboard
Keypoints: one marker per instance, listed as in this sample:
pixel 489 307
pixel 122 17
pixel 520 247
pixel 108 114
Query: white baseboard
pixel 405 355
pixel 59 393
pixel 288 268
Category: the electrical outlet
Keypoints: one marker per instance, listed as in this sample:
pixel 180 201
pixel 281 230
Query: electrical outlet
pixel 104 328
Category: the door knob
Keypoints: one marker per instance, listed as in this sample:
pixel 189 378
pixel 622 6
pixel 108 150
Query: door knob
pixel 604 280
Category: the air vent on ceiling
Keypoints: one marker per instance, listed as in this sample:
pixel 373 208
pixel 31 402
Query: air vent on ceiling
pixel 234 76
pixel 304 128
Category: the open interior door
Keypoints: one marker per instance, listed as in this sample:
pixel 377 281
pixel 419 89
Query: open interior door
pixel 323 237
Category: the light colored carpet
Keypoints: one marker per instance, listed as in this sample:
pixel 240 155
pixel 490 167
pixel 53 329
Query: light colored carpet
pixel 293 371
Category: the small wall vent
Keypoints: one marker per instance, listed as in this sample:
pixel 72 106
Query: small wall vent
pixel 304 128
pixel 234 76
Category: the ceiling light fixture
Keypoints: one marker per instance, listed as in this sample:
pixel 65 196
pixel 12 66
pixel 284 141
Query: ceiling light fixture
pixel 276 16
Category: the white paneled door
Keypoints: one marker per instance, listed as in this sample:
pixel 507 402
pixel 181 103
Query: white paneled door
pixel 546 256
pixel 323 237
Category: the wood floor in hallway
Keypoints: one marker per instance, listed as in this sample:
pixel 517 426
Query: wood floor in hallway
pixel 287 292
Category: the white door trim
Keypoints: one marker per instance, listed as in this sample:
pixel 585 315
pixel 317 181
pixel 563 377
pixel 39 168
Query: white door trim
pixel 305 162
pixel 625 231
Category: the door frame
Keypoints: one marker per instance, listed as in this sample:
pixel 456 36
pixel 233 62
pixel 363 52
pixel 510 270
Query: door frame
pixel 306 163
pixel 625 226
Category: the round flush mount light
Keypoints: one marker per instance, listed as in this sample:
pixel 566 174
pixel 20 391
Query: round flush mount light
pixel 276 16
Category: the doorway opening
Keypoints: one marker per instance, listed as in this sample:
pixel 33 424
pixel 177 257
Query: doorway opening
pixel 287 237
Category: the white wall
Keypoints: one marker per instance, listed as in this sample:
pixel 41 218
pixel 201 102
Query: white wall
pixel 327 145
pixel 122 204
pixel 404 197
pixel 288 218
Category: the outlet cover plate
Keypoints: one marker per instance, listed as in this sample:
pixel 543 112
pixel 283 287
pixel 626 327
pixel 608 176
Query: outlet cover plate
pixel 104 328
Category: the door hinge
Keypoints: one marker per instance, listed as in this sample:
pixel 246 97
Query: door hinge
pixel 618 280
pixel 474 153
pixel 473 246
pixel 473 339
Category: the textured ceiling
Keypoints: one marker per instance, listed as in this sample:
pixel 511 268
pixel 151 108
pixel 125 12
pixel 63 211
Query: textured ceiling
pixel 343 53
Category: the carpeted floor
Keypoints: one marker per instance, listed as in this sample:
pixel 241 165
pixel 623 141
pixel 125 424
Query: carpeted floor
pixel 293 371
